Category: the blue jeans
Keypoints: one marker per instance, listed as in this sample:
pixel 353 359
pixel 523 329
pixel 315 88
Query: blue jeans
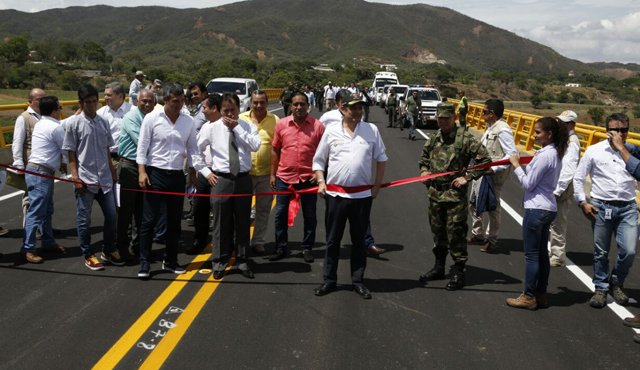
pixel 308 206
pixel 624 223
pixel 40 211
pixel 412 124
pixel 535 235
pixel 84 203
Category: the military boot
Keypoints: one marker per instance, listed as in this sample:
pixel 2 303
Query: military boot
pixel 457 277
pixel 436 273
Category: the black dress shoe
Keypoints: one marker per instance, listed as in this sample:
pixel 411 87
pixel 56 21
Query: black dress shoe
pixel 194 250
pixel 218 274
pixel 325 289
pixel 247 273
pixel 362 291
pixel 280 254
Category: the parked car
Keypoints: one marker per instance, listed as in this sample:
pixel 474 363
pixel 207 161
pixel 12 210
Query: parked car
pixel 243 87
pixel 429 100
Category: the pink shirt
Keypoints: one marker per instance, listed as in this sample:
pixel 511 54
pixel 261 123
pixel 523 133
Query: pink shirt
pixel 296 145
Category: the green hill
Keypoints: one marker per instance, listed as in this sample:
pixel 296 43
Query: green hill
pixel 327 31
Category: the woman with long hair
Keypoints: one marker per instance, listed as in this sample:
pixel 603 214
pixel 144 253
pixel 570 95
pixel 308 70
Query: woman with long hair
pixel 540 208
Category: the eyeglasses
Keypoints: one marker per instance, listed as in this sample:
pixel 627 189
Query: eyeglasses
pixel 622 130
pixel 486 111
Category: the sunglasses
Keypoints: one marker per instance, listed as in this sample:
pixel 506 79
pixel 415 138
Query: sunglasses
pixel 622 130
pixel 486 111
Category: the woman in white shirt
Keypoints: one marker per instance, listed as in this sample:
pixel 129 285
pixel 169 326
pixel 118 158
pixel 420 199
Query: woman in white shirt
pixel 540 208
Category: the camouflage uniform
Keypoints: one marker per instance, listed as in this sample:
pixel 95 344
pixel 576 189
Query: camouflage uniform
pixel 447 204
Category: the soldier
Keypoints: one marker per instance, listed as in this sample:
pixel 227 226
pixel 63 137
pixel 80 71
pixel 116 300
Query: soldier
pixel 450 149
pixel 391 107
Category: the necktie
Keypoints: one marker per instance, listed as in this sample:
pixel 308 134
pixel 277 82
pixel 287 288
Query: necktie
pixel 234 158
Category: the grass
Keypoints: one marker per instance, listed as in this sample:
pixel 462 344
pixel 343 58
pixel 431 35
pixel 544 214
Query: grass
pixel 17 96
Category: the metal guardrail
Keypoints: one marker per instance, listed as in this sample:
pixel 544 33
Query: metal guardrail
pixel 521 123
pixel 272 95
pixel 522 126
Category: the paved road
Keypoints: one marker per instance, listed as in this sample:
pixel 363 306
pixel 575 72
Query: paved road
pixel 61 315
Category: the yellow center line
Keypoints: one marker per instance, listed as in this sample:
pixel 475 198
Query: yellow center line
pixel 128 340
pixel 166 346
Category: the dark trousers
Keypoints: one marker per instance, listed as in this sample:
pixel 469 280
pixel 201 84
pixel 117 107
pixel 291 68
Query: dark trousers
pixel 285 108
pixel 393 115
pixel 308 205
pixel 201 209
pixel 366 113
pixel 231 217
pixel 339 211
pixel 130 208
pixel 162 180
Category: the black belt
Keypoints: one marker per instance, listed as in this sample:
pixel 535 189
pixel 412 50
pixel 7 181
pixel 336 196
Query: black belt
pixel 127 160
pixel 167 172
pixel 616 203
pixel 230 176
pixel 41 168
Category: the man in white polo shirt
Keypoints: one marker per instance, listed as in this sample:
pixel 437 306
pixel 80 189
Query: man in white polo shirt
pixel 347 152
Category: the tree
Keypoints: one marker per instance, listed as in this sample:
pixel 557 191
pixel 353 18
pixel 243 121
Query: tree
pixel 636 111
pixel 15 49
pixel 597 114
pixel 535 100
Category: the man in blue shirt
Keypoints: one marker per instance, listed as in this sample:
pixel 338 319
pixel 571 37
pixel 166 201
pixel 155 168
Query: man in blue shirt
pixel 131 201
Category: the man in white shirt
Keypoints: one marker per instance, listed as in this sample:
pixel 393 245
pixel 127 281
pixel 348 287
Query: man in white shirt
pixel 22 131
pixel 231 142
pixel 201 205
pixel 330 96
pixel 136 85
pixel 612 208
pixel 45 159
pixel 336 116
pixel 348 151
pixel 167 138
pixel 498 139
pixel 114 110
pixel 564 191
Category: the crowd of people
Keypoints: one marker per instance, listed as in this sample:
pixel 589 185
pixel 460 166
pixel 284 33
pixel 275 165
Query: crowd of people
pixel 133 157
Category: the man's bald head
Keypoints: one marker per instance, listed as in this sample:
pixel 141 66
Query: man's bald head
pixel 34 99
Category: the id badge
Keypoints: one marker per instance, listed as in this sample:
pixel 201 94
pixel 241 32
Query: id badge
pixel 607 214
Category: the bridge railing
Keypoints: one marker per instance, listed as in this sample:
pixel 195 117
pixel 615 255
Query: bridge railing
pixel 521 123
pixel 6 132
pixel 522 126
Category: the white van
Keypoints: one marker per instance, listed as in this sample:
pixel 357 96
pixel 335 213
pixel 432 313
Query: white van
pixel 384 78
pixel 243 87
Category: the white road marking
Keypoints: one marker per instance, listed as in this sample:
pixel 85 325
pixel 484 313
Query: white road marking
pixel 20 192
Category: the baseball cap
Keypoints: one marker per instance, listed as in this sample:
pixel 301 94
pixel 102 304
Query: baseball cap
pixel 568 116
pixel 157 82
pixel 351 100
pixel 140 73
pixel 445 110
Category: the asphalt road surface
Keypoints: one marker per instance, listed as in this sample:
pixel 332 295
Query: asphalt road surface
pixel 60 315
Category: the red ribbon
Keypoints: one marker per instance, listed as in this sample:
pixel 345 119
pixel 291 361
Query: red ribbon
pixel 294 203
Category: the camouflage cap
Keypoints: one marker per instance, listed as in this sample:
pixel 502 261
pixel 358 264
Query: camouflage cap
pixel 445 110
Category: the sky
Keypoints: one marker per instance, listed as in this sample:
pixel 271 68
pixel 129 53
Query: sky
pixel 586 30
